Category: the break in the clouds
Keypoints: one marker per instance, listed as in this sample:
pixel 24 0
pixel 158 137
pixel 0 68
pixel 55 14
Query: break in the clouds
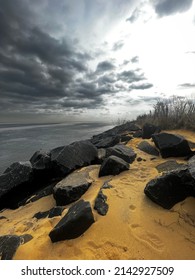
pixel 77 59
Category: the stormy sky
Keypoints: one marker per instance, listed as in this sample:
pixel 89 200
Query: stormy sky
pixel 84 60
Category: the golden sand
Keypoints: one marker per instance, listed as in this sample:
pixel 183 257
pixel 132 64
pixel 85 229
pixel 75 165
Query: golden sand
pixel 134 227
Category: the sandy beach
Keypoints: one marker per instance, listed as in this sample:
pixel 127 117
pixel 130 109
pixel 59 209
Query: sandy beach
pixel 134 227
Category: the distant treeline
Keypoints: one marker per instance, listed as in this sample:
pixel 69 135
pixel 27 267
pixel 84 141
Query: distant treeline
pixel 174 113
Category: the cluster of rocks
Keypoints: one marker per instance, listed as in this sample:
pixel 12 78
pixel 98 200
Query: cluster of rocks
pixel 173 186
pixel 22 179
pixel 52 173
pixel 178 180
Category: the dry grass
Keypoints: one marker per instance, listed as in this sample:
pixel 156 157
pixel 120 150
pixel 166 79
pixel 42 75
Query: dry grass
pixel 174 113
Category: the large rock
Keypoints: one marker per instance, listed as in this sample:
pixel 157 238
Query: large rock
pixel 149 129
pixel 10 243
pixel 78 219
pixel 45 191
pixel 42 167
pixel 147 148
pixel 138 134
pixel 112 166
pixel 16 184
pixel 8 246
pixel 40 160
pixel 100 204
pixel 170 165
pixel 68 158
pixel 171 145
pixel 113 136
pixel 41 215
pixel 71 188
pixel 172 187
pixel 53 212
pixel 122 151
pixel 106 142
pixel 126 138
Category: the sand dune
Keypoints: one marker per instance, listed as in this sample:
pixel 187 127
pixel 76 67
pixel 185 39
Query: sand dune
pixel 134 227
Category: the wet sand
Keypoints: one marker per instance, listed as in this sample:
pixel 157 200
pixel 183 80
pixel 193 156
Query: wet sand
pixel 134 227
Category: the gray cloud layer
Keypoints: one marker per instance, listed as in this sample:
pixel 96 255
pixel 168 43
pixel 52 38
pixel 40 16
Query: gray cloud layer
pixel 168 7
pixel 43 69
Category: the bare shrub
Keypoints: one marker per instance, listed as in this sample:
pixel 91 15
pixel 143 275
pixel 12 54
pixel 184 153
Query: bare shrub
pixel 175 112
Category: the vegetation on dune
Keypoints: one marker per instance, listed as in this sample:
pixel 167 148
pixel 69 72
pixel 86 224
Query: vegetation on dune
pixel 174 113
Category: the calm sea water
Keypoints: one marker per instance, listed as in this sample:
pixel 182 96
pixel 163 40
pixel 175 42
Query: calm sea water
pixel 19 142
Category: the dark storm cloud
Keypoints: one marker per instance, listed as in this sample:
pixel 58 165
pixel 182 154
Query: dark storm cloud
pixel 37 70
pixel 169 7
pixel 131 76
pixel 118 45
pixel 141 86
pixel 104 66
pixel 106 79
pixel 92 90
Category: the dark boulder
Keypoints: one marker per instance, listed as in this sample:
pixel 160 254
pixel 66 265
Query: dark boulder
pixel 73 156
pixel 112 166
pixel 55 211
pixel 126 138
pixel 122 129
pixel 42 167
pixel 147 148
pixel 127 127
pixel 170 165
pixel 138 134
pixel 10 243
pixel 122 151
pixel 171 188
pixel 100 204
pixel 171 145
pixel 78 219
pixel 16 183
pixel 25 238
pixel 45 191
pixel 106 142
pixel 149 129
pixel 40 160
pixel 71 188
pixel 113 136
pixel 8 246
pixel 41 215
